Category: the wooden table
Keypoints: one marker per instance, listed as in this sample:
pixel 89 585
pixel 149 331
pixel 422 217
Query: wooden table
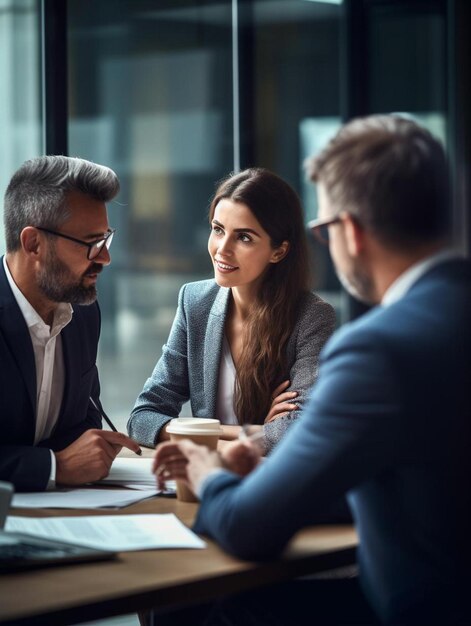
pixel 141 580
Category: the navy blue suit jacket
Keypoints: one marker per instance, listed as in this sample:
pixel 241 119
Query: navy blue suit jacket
pixel 25 465
pixel 388 423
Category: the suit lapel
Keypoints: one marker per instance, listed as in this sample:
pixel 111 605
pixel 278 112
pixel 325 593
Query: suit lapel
pixel 213 346
pixel 17 337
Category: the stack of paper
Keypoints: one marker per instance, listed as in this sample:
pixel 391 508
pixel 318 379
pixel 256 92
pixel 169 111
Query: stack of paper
pixel 81 498
pixel 134 473
pixel 112 532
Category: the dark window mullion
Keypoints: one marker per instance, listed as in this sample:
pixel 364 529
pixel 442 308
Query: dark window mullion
pixel 54 70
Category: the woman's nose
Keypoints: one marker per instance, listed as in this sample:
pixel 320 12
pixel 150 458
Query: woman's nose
pixel 225 246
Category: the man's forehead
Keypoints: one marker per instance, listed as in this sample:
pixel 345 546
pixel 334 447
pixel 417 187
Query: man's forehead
pixel 85 215
pixel 75 199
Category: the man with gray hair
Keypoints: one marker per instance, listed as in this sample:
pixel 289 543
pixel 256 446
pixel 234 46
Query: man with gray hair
pixel 57 240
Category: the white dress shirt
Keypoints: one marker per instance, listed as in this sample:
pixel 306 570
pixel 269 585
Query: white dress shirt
pixel 49 361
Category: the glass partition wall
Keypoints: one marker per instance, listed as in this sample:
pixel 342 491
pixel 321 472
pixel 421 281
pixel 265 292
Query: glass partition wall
pixel 175 94
pixel 150 95
pixel 21 128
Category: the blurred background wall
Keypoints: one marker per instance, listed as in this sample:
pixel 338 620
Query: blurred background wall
pixel 175 94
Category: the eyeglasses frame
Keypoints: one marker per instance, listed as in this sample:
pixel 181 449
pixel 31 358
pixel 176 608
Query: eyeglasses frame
pixel 314 226
pixel 88 244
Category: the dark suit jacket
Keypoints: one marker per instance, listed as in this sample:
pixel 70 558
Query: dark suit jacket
pixel 388 423
pixel 25 465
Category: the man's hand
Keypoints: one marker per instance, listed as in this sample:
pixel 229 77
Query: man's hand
pixel 241 457
pixel 89 457
pixel 191 463
pixel 282 402
pixel 185 461
pixel 169 463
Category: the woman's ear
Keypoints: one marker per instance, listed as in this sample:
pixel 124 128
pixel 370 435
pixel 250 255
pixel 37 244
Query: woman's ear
pixel 354 235
pixel 280 252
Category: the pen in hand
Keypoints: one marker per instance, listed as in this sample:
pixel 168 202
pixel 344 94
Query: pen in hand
pixel 107 420
pixel 104 416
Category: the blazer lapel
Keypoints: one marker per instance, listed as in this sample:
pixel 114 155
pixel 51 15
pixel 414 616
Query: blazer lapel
pixel 17 337
pixel 213 346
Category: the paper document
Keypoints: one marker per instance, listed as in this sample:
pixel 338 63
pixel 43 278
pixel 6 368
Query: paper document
pixel 133 474
pixel 81 498
pixel 125 471
pixel 119 533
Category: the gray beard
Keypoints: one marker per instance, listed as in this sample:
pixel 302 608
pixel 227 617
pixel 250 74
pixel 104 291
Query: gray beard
pixel 55 282
pixel 358 285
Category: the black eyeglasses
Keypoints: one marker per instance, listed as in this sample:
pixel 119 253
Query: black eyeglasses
pixel 320 228
pixel 94 247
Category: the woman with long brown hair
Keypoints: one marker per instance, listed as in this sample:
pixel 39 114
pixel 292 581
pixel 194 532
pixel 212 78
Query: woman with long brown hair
pixel 243 347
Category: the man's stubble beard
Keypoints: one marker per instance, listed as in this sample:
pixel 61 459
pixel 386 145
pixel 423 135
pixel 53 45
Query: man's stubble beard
pixel 58 284
pixel 358 284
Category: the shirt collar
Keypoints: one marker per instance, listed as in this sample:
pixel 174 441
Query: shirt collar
pixel 407 279
pixel 62 315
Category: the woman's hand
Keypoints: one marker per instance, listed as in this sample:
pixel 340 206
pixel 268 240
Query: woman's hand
pixel 229 432
pixel 282 402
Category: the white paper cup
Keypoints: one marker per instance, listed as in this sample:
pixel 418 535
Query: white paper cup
pixel 204 432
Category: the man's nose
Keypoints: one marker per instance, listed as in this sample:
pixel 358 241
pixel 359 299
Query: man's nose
pixel 104 258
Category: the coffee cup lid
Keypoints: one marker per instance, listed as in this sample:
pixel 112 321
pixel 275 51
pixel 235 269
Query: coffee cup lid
pixel 194 426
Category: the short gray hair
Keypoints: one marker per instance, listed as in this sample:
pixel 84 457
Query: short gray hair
pixel 36 194
pixel 391 174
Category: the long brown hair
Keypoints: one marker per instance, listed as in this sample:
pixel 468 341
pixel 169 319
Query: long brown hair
pixel 262 365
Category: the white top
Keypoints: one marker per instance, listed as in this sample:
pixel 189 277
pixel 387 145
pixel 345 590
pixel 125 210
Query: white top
pixel 226 383
pixel 49 361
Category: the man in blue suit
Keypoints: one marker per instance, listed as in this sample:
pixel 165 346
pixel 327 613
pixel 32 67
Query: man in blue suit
pixel 389 420
pixel 57 239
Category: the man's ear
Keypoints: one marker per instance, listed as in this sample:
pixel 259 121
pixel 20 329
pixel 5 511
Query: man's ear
pixel 30 240
pixel 354 235
pixel 280 252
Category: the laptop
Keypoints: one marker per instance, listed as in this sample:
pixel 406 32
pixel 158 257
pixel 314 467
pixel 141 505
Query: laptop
pixel 20 551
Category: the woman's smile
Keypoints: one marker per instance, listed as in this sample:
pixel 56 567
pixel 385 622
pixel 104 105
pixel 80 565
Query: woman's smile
pixel 224 267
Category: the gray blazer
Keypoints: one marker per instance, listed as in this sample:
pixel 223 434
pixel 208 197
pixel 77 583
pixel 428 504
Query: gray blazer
pixel 189 366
